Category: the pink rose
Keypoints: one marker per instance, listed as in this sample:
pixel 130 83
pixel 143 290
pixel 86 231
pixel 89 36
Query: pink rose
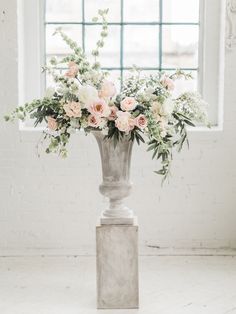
pixel 124 122
pixel 141 121
pixel 168 83
pixel 52 123
pixel 73 109
pixel 113 112
pixel 107 89
pixel 99 108
pixel 128 104
pixel 73 70
pixel 94 121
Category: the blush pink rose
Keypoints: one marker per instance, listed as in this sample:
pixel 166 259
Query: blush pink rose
pixel 124 122
pixel 168 83
pixel 128 104
pixel 73 70
pixel 99 108
pixel 52 123
pixel 94 121
pixel 107 90
pixel 113 112
pixel 141 121
pixel 73 109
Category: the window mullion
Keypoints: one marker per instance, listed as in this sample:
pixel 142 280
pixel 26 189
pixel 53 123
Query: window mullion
pixel 160 33
pixel 121 40
pixel 83 25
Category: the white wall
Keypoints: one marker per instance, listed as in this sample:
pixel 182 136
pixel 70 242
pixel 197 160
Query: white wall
pixel 51 205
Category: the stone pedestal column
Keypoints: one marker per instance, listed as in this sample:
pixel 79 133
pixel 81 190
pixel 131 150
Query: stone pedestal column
pixel 117 266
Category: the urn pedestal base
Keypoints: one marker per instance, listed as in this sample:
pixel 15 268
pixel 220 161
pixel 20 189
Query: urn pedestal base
pixel 117 266
pixel 116 221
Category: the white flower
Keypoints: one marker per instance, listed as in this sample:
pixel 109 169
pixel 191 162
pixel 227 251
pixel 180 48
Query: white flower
pixel 87 94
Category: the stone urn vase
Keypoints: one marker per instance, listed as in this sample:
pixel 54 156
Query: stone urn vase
pixel 116 184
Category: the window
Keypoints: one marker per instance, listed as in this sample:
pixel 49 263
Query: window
pixel 154 35
pixel 160 35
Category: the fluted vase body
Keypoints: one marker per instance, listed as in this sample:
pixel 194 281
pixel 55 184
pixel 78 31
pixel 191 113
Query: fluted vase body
pixel 116 184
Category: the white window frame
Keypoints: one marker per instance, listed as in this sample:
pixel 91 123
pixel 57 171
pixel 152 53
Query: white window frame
pixel 212 58
pixel 31 48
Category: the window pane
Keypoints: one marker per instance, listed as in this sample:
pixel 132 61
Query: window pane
pixel 143 73
pixel 141 11
pixel 180 46
pixel 181 11
pixel 141 46
pixel 60 11
pixel 110 53
pixel 140 42
pixel 55 45
pixel 181 85
pixel 92 7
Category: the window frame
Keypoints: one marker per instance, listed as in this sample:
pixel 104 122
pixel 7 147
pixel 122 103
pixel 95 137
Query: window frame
pixel 31 50
pixel 31 47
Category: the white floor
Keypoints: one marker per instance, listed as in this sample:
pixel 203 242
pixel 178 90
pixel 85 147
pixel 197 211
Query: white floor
pixel 173 285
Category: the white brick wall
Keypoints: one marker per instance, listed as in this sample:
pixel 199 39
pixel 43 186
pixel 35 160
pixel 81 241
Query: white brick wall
pixel 51 205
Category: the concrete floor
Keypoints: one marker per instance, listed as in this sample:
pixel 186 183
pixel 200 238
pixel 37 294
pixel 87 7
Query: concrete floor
pixel 168 285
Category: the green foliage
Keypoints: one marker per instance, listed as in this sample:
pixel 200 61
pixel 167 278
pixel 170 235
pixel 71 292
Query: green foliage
pixel 103 34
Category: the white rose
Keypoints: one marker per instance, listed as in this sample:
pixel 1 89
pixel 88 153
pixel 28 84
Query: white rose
pixel 87 94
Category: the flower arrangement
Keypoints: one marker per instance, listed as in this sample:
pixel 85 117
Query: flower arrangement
pixel 85 99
